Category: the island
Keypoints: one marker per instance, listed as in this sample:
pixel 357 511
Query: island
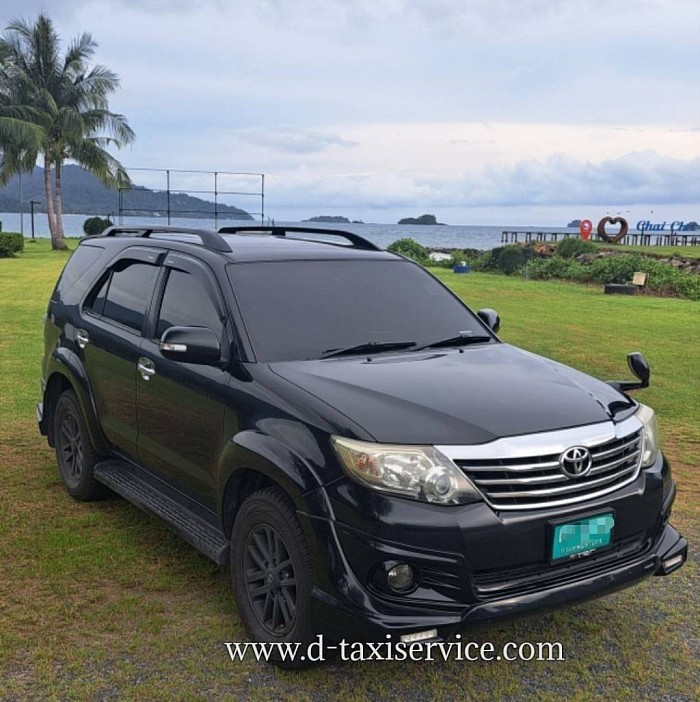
pixel 328 219
pixel 423 219
pixel 574 223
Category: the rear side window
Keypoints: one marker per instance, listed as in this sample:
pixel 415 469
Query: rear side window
pixel 186 303
pixel 79 263
pixel 96 300
pixel 128 293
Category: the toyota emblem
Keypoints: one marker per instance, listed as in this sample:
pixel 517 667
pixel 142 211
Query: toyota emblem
pixel 576 462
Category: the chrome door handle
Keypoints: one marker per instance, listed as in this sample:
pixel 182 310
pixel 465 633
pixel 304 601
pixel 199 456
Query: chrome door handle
pixel 82 337
pixel 146 367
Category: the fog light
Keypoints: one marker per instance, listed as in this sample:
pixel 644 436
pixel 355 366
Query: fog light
pixel 400 577
pixel 670 564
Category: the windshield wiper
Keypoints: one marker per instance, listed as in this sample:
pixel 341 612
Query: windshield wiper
pixel 368 346
pixel 459 340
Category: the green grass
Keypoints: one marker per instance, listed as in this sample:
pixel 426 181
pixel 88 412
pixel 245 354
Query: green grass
pixel 99 601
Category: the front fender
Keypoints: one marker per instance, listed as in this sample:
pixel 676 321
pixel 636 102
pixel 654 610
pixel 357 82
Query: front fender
pixel 252 450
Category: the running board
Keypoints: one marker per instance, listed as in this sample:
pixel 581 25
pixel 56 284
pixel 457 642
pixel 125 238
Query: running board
pixel 204 537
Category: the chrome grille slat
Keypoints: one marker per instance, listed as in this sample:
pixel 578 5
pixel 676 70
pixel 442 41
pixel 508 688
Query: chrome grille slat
pixel 519 468
pixel 613 464
pixel 603 454
pixel 513 476
pixel 573 487
pixel 521 481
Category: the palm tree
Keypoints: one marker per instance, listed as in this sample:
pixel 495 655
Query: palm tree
pixel 56 106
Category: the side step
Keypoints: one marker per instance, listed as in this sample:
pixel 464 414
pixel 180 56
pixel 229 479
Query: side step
pixel 204 537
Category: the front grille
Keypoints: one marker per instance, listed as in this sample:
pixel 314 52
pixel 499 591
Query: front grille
pixel 537 481
pixel 497 584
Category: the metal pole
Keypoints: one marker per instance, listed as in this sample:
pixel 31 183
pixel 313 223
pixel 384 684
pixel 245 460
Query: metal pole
pixel 216 202
pixel 262 197
pixel 32 203
pixel 21 205
pixel 168 186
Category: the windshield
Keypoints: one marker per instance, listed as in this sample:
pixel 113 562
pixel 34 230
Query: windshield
pixel 296 310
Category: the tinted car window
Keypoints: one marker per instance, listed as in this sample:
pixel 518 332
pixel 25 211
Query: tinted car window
pixel 299 309
pixel 186 303
pixel 78 264
pixel 129 292
pixel 96 299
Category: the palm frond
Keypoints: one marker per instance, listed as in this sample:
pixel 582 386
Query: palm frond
pixel 56 103
pixel 79 53
pixel 99 162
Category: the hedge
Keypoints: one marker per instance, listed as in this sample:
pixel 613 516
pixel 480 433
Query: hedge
pixel 663 278
pixel 10 244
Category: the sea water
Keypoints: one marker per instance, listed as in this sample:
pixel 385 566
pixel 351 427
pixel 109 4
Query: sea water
pixel 434 236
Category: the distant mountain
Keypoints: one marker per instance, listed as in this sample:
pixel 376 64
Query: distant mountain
pixel 85 194
pixel 328 219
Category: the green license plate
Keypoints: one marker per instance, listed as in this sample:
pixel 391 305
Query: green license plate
pixel 589 534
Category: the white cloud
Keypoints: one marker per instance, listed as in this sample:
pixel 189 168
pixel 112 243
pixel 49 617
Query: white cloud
pixel 635 178
pixel 294 141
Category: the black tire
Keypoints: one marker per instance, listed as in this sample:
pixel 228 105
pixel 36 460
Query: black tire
pixel 75 453
pixel 271 573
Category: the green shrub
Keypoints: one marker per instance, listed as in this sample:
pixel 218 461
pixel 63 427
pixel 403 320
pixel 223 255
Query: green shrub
pixel 555 267
pixel 617 269
pixel 10 244
pixel 411 249
pixel 469 257
pixel 506 259
pixel 93 226
pixel 573 247
pixel 663 278
pixel 457 257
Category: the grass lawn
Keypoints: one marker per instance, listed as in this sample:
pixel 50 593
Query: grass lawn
pixel 99 601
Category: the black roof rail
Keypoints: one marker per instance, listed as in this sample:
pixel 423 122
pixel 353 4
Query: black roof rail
pixel 356 240
pixel 210 239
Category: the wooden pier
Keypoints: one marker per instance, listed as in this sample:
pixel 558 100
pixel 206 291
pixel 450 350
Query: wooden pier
pixel 515 236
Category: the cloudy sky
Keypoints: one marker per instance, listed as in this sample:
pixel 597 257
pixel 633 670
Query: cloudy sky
pixel 480 111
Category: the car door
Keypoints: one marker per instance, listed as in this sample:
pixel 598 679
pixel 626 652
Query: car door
pixel 109 337
pixel 181 405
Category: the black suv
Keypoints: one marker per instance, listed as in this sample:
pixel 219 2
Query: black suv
pixel 336 425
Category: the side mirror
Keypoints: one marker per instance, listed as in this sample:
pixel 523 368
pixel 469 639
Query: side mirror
pixel 190 345
pixel 639 366
pixel 490 318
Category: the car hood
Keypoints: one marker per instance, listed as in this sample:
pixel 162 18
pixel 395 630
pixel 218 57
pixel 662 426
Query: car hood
pixel 450 397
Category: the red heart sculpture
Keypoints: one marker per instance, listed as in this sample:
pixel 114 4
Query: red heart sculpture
pixel 613 220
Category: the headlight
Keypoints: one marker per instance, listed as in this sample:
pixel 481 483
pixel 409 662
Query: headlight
pixel 417 472
pixel 650 435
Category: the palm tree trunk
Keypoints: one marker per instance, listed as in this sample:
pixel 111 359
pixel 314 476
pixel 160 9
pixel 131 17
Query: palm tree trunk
pixel 58 209
pixel 48 189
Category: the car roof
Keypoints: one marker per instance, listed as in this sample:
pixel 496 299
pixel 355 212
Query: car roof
pixel 249 244
pixel 266 247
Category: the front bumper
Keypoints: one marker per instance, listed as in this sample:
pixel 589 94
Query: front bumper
pixel 497 564
pixel 377 618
